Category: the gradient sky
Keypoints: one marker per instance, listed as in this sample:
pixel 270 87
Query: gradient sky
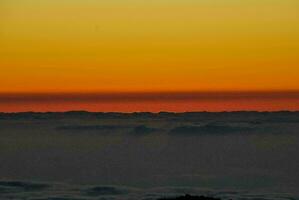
pixel 55 46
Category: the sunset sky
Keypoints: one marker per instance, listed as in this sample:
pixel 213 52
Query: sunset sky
pixel 92 46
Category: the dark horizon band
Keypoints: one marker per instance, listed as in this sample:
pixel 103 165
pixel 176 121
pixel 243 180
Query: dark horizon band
pixel 144 96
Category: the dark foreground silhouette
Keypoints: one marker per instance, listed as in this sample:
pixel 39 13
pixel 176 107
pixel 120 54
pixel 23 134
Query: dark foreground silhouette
pixel 189 197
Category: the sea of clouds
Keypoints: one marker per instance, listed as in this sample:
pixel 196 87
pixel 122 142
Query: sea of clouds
pixel 81 155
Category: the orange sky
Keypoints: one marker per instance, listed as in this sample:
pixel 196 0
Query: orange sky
pixel 90 46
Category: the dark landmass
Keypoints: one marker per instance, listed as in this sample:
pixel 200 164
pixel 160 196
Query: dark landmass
pixel 189 197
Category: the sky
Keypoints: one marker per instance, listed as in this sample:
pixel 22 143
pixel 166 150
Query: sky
pixel 119 46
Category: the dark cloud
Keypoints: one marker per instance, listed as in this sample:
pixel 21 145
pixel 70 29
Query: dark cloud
pixel 90 127
pixel 52 191
pixel 58 198
pixel 104 190
pixel 143 130
pixel 209 129
pixel 23 186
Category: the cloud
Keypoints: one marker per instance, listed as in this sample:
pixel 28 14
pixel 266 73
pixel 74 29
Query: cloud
pixel 22 186
pixel 105 190
pixel 54 191
pixel 143 130
pixel 90 127
pixel 209 129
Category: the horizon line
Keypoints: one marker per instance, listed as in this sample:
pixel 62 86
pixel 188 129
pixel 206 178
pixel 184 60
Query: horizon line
pixel 148 112
pixel 14 97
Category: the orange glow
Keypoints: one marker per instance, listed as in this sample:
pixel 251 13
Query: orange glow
pixel 125 46
pixel 152 102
